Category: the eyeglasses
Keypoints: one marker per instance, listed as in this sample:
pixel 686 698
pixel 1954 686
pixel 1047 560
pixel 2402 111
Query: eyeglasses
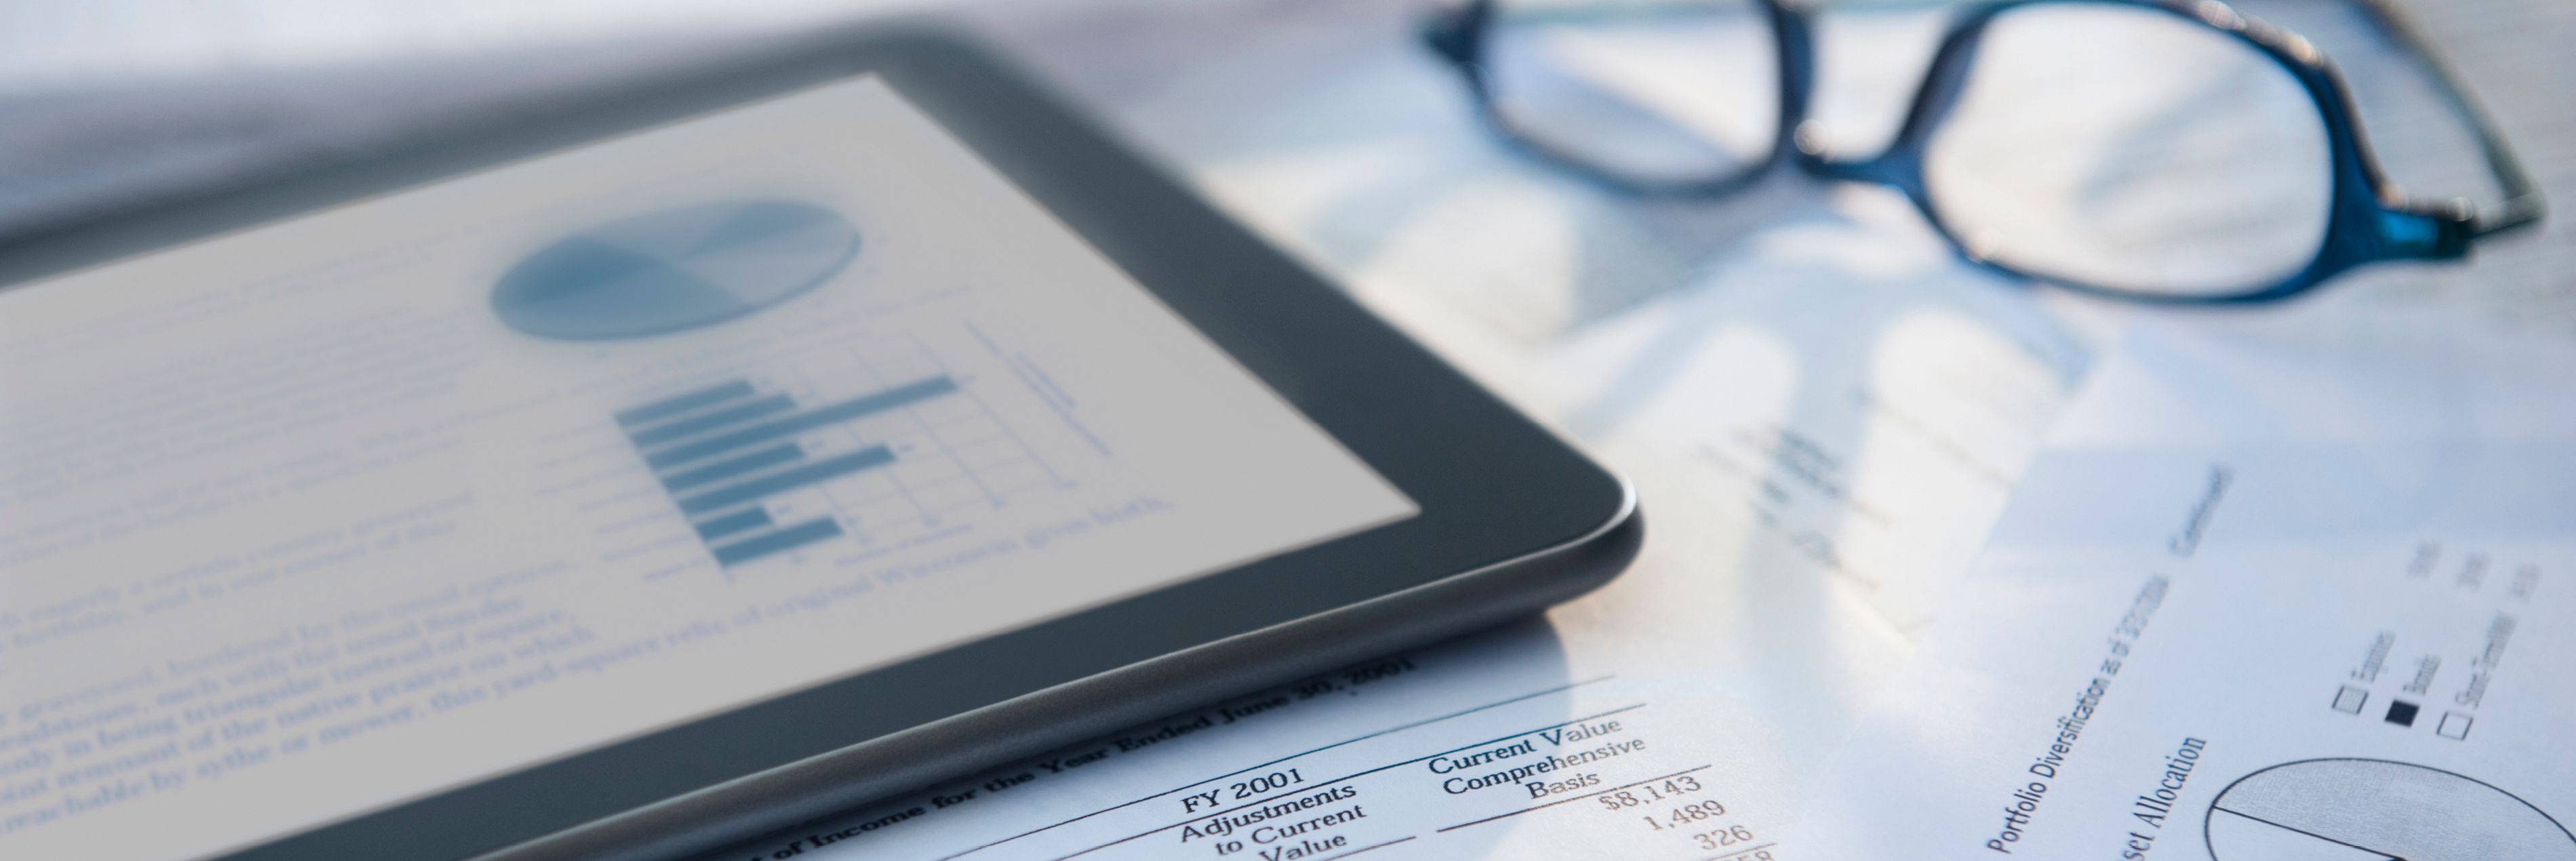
pixel 2154 150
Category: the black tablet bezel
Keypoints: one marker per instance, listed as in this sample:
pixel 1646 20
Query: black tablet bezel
pixel 1492 486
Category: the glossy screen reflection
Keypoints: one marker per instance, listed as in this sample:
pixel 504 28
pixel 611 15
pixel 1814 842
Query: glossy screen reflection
pixel 2133 149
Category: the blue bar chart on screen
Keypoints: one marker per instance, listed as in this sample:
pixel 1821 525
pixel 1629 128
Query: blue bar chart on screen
pixel 766 468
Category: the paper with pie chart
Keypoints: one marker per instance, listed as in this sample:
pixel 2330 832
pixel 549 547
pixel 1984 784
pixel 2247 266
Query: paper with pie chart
pixel 2255 604
pixel 2375 809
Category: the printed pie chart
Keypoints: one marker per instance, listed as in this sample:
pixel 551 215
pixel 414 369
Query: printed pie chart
pixel 674 270
pixel 2376 810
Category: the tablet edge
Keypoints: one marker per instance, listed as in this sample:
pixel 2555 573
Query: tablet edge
pixel 819 786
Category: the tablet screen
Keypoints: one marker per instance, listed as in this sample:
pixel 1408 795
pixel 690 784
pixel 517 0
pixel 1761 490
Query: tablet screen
pixel 321 516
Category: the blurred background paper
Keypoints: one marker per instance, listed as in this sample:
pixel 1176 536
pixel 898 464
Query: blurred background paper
pixel 1823 407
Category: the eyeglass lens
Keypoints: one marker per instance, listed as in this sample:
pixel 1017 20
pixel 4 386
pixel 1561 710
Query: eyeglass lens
pixel 2132 149
pixel 1652 91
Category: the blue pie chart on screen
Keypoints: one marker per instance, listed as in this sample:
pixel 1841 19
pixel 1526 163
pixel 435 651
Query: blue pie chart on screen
pixel 674 270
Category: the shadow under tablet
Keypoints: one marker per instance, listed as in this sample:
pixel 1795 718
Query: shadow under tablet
pixel 674 270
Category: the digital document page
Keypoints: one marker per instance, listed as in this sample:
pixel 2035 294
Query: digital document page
pixel 320 516
pixel 2257 600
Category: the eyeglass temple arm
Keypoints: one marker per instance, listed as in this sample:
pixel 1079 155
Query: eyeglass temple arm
pixel 2523 203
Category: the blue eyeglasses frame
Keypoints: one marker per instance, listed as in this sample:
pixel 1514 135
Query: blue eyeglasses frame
pixel 2369 219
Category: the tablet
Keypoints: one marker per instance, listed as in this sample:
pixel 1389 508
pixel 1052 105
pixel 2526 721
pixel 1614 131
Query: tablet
pixel 670 466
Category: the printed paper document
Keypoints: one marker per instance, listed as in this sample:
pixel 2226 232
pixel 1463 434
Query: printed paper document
pixel 2257 600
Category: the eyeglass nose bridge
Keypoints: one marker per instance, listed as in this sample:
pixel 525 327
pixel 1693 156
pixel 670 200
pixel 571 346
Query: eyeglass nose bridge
pixel 1457 34
pixel 1900 165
